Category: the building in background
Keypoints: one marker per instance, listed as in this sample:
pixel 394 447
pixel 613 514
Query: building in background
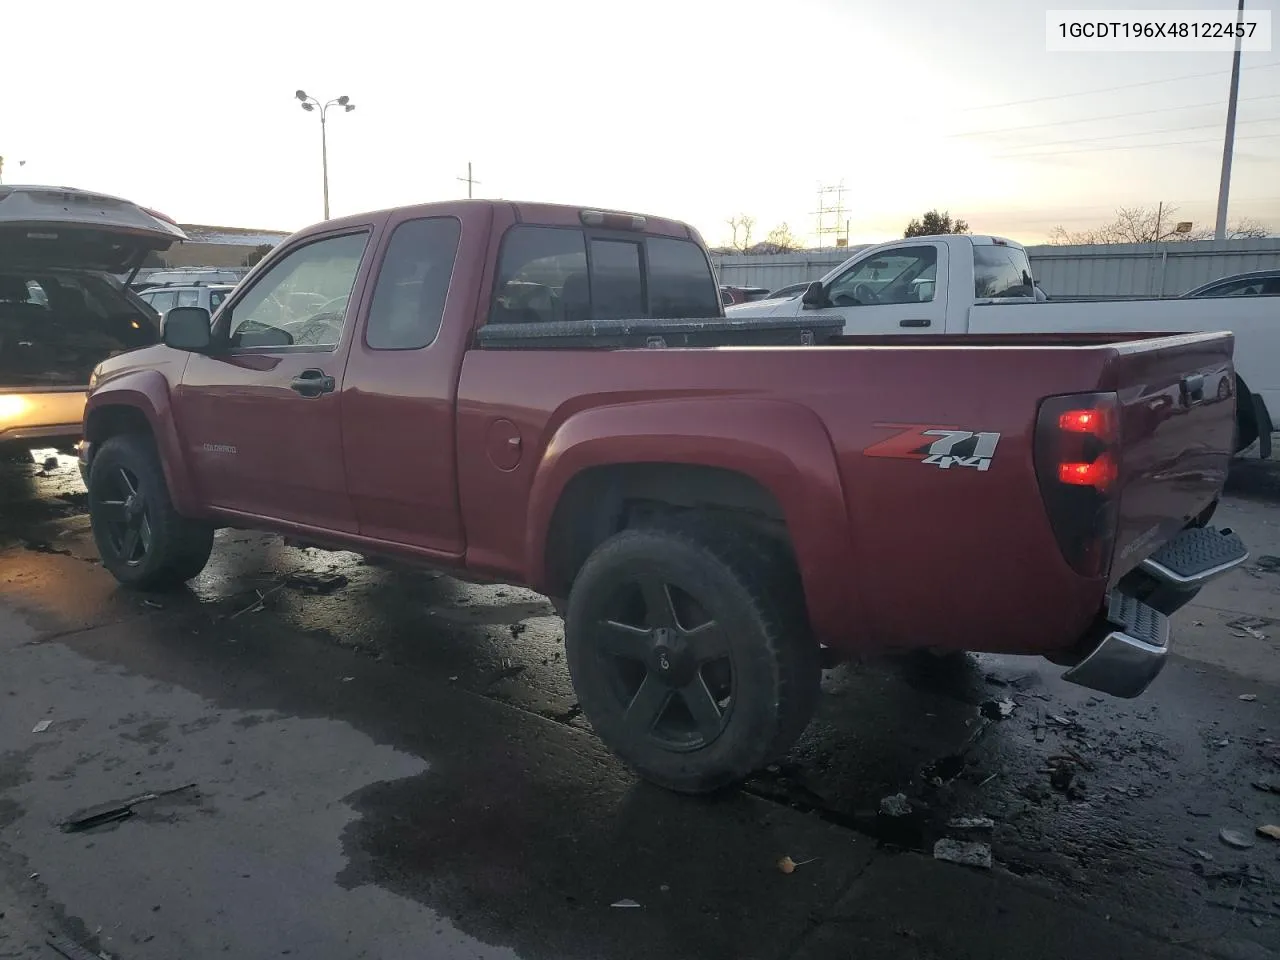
pixel 218 247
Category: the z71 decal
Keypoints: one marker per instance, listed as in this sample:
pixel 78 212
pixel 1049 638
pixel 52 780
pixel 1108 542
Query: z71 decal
pixel 942 447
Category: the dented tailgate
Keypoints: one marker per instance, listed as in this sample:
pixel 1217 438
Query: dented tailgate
pixel 1177 429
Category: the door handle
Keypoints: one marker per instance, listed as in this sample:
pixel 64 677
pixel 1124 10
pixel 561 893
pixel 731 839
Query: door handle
pixel 312 383
pixel 918 322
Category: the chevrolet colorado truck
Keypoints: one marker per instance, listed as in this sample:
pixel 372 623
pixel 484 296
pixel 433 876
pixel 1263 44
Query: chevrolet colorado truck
pixel 961 284
pixel 718 508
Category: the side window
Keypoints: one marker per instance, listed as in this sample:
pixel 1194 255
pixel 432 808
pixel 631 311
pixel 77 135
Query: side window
pixel 681 285
pixel 302 299
pixel 616 290
pixel 164 301
pixel 1000 271
pixel 542 277
pixel 215 299
pixel 408 299
pixel 188 298
pixel 904 275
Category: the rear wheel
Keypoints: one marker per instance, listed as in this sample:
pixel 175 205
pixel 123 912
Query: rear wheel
pixel 689 653
pixel 141 539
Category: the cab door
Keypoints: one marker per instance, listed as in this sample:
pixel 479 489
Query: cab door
pixel 261 414
pixel 896 291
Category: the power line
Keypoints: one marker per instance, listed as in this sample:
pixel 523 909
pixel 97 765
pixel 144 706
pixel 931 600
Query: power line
pixel 1130 146
pixel 1109 116
pixel 1123 86
pixel 1140 133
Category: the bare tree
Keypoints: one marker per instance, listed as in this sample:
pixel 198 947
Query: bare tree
pixel 741 225
pixel 1152 225
pixel 783 239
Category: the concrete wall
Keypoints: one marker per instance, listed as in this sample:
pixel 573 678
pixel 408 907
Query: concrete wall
pixel 1103 270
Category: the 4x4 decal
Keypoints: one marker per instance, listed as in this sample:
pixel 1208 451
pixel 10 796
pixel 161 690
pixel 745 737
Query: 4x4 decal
pixel 942 447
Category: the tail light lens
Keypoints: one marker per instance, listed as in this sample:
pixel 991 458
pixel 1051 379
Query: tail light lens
pixel 1077 459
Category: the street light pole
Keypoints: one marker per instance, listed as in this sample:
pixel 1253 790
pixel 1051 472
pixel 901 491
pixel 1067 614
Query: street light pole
pixel 1228 146
pixel 310 104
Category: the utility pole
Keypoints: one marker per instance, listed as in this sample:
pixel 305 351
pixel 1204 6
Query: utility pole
pixel 1159 217
pixel 1224 186
pixel 468 180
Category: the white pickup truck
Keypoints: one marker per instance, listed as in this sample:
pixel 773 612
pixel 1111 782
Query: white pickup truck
pixel 959 284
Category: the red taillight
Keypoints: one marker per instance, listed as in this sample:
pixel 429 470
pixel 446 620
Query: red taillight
pixel 1099 474
pixel 1077 459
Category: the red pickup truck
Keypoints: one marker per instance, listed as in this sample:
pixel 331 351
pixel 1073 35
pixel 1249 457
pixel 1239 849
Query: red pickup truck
pixel 554 397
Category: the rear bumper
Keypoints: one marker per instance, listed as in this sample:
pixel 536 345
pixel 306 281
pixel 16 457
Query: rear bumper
pixel 1127 647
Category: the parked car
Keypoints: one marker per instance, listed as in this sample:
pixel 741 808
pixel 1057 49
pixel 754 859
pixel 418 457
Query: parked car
pixel 189 276
pixel 62 310
pixel 165 297
pixel 792 290
pixel 983 285
pixel 1259 283
pixel 706 520
pixel 733 294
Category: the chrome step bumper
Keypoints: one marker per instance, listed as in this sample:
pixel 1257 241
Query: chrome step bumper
pixel 1130 655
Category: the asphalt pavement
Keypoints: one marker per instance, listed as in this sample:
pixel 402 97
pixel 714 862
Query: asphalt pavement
pixel 309 755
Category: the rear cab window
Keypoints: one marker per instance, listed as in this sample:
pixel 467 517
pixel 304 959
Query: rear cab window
pixel 1001 271
pixel 567 274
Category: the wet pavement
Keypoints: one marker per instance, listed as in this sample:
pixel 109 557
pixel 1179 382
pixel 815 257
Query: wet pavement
pixel 355 761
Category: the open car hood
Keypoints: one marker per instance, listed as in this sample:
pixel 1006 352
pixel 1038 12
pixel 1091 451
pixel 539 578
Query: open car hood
pixel 75 229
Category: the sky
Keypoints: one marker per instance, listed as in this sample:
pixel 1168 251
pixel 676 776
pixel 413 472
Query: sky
pixel 701 110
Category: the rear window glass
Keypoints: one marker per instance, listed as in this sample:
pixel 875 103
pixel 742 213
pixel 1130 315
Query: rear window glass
pixel 680 281
pixel 1000 271
pixel 543 276
pixel 408 301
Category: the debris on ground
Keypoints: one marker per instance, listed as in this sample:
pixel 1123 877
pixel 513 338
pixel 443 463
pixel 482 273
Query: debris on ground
pixel 70 949
pixel 1201 854
pixel 1269 830
pixel 42 726
pixel 1270 751
pixel 971 823
pixel 316 583
pixel 787 865
pixel 506 671
pixel 1268 563
pixel 998 709
pixel 517 628
pixel 51 464
pixel 1248 697
pixel 1249 626
pixel 625 903
pixel 112 812
pixel 1234 838
pixel 153 605
pixel 1062 777
pixel 895 806
pixel 257 604
pixel 1266 786
pixel 964 853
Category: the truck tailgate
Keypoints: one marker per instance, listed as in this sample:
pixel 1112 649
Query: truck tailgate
pixel 1177 426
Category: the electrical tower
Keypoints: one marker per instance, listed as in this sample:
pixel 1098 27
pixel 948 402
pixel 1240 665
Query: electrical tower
pixel 831 217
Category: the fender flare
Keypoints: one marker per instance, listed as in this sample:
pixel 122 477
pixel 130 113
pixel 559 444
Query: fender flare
pixel 782 446
pixel 147 392
pixel 1261 416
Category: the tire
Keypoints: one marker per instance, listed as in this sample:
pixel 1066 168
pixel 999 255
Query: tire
pixel 128 495
pixel 752 676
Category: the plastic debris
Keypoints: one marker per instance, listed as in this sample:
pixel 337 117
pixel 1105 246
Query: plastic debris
pixel 964 853
pixel 1234 838
pixel 1269 830
pixel 971 823
pixel 625 904
pixel 1248 697
pixel 895 806
pixel 112 812
pixel 42 726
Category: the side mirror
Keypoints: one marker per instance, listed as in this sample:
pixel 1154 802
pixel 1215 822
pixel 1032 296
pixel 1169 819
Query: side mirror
pixel 187 328
pixel 814 295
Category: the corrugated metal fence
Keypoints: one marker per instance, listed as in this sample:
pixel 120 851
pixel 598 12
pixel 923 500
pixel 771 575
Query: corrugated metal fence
pixel 1101 270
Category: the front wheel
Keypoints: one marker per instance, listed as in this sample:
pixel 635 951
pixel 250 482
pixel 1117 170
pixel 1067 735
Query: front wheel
pixel 141 539
pixel 689 654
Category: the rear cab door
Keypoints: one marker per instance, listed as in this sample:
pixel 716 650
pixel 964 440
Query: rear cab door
pixel 259 416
